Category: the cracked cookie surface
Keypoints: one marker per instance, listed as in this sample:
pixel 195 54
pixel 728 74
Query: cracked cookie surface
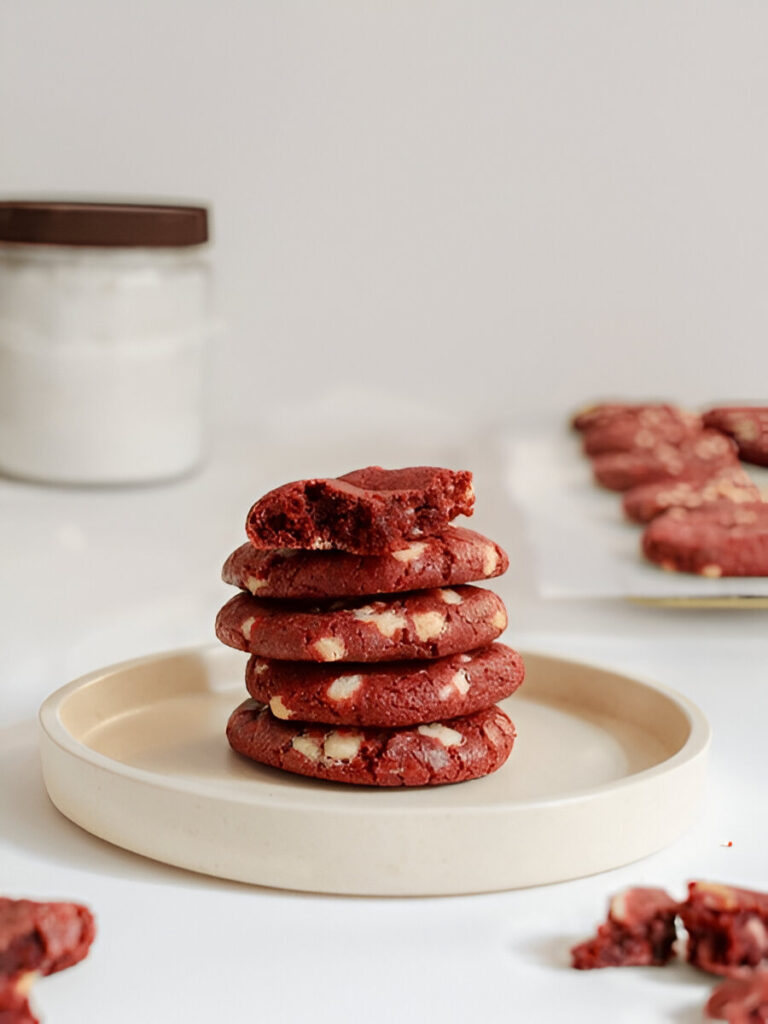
pixel 451 556
pixel 430 754
pixel 417 624
pixel 368 511
pixel 390 694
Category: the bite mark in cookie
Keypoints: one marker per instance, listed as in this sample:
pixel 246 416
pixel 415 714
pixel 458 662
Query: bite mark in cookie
pixel 368 511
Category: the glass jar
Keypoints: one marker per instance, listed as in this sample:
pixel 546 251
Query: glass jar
pixel 105 312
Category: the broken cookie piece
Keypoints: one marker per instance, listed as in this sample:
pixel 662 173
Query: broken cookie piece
pixel 727 928
pixel 369 511
pixel 639 932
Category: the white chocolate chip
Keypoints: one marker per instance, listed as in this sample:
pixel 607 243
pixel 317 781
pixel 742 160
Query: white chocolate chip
pixel 499 620
pixel 713 571
pixel 344 687
pixel 465 658
pixel 618 907
pixel 248 626
pixel 254 583
pixel 447 737
pixel 330 648
pixel 450 596
pixel 387 622
pixel 490 560
pixel 757 931
pixel 306 746
pixel 461 681
pixel 24 982
pixel 259 668
pixel 342 746
pixel 458 684
pixel 428 625
pixel 411 553
pixel 723 894
pixel 278 709
pixel 746 430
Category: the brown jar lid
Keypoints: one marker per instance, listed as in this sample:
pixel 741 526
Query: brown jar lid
pixel 102 224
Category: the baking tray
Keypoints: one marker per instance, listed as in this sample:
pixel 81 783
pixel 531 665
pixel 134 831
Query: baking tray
pixel 583 547
pixel 606 769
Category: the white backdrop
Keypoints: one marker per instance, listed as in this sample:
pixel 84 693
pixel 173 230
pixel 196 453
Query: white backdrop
pixel 494 208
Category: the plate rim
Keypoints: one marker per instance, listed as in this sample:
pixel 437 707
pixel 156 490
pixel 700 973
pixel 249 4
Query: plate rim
pixel 695 747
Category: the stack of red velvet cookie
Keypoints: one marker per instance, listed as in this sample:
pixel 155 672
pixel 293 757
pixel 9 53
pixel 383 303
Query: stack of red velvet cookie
pixel 681 475
pixel 372 661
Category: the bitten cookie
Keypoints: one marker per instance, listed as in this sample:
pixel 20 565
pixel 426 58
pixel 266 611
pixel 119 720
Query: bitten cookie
pixel 641 504
pixel 419 624
pixel 702 455
pixel 642 430
pixel 367 512
pixel 394 694
pixel 452 556
pixel 725 539
pixel 747 426
pixel 422 755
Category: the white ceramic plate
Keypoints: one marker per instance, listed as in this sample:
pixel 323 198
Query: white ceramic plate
pixel 606 769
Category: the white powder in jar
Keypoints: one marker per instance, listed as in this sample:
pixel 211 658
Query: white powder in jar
pixel 102 361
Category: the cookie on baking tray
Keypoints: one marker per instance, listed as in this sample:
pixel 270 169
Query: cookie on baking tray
pixel 722 539
pixel 390 694
pixel 450 556
pixel 748 426
pixel 643 503
pixel 421 755
pixel 418 624
pixel 603 413
pixel 368 512
pixel 702 455
pixel 641 430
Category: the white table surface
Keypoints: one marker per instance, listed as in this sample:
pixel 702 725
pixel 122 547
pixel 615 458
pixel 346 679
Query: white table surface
pixel 93 576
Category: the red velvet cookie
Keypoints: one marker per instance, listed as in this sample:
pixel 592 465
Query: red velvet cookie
pixel 702 455
pixel 419 624
pixel 368 512
pixel 452 556
pixel 641 504
pixel 740 1000
pixel 639 932
pixel 727 928
pixel 603 413
pixel 43 937
pixel 392 694
pixel 642 430
pixel 747 426
pixel 37 939
pixel 420 755
pixel 722 539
